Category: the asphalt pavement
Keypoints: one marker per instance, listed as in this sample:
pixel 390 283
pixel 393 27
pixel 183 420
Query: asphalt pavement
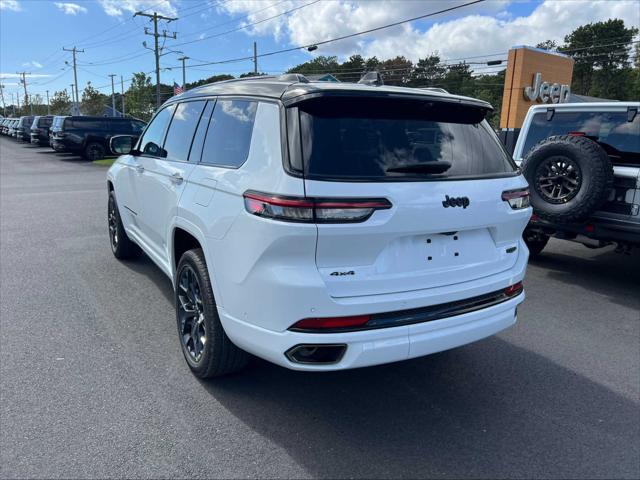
pixel 93 383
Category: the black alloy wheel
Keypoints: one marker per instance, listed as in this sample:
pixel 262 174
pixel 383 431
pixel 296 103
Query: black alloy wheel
pixel 558 179
pixel 191 315
pixel 112 216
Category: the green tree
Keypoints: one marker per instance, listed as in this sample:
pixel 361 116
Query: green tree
pixel 320 64
pixel 92 101
pixel 396 71
pixel 140 99
pixel 601 53
pixel 60 103
pixel 428 72
pixel 213 79
pixel 548 45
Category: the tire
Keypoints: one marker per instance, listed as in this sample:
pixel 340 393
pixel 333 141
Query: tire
pixel 536 241
pixel 194 302
pixel 94 151
pixel 569 177
pixel 121 246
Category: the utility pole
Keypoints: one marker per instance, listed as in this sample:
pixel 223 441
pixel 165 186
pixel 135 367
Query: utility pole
pixel 122 93
pixel 24 84
pixel 18 99
pixel 154 18
pixel 184 75
pixel 73 95
pixel 48 106
pixel 4 107
pixel 113 95
pixel 255 58
pixel 75 71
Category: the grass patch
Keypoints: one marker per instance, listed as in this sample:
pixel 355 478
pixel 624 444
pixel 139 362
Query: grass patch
pixel 106 162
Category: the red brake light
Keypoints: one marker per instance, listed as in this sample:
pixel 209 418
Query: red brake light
pixel 330 323
pixel 513 290
pixel 578 134
pixel 312 210
pixel 517 199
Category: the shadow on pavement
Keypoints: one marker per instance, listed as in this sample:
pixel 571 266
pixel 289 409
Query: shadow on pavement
pixel 488 410
pixel 604 272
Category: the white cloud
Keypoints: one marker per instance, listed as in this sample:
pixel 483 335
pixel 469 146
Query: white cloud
pixel 116 8
pixel 32 64
pixel 15 75
pixel 10 5
pixel 70 8
pixel 477 30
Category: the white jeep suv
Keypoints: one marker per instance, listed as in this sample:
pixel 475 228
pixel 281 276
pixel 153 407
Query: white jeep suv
pixel 323 226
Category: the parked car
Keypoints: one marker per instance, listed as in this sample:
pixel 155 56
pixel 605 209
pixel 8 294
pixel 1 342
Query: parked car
pixel 4 125
pixel 56 125
pixel 12 131
pixel 89 136
pixel 582 162
pixel 40 129
pixel 323 226
pixel 23 130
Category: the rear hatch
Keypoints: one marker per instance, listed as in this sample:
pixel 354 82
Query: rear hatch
pixel 442 169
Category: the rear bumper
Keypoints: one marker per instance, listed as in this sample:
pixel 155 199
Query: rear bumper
pixel 375 347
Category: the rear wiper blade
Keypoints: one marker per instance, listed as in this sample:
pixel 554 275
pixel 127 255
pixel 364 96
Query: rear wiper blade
pixel 427 167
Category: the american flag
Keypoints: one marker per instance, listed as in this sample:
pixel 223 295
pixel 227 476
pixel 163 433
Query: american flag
pixel 177 89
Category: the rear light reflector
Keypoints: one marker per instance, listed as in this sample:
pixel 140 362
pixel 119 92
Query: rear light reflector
pixel 517 199
pixel 330 323
pixel 513 290
pixel 312 210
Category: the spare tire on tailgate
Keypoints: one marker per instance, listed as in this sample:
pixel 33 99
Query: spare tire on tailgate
pixel 569 177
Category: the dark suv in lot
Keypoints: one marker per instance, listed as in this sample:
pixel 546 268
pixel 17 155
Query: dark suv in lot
pixel 23 130
pixel 89 136
pixel 40 129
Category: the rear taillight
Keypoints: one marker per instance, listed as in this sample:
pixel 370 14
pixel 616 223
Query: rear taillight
pixel 313 210
pixel 513 290
pixel 330 323
pixel 517 199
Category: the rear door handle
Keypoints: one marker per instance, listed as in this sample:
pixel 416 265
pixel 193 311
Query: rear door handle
pixel 176 178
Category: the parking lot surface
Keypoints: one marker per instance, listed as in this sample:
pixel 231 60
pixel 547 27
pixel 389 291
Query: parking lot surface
pixel 93 383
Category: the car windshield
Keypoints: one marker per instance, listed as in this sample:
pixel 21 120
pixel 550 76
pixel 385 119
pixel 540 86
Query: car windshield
pixel 617 132
pixel 368 139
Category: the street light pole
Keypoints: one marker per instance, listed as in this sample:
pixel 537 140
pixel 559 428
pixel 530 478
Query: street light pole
pixel 184 75
pixel 48 106
pixel 122 93
pixel 75 71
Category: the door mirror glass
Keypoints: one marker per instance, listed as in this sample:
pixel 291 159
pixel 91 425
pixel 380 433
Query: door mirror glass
pixel 122 144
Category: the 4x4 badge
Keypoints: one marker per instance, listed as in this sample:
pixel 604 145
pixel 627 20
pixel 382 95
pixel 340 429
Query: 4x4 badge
pixel 455 202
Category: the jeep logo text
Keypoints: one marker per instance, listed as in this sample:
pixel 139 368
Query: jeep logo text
pixel 455 202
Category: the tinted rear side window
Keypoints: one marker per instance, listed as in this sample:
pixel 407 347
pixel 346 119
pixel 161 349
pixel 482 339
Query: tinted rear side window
pixel 84 124
pixel 612 130
pixel 229 134
pixel 183 126
pixel 367 139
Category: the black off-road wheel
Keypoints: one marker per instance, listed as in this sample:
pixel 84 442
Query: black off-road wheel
pixel 569 177
pixel 121 246
pixel 94 151
pixel 206 347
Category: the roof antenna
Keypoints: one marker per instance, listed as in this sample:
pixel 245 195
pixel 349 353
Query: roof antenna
pixel 372 78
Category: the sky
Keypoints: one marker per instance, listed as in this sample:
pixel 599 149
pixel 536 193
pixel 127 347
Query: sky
pixel 34 32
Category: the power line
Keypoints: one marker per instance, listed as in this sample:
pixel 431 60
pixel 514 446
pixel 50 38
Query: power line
pixel 344 37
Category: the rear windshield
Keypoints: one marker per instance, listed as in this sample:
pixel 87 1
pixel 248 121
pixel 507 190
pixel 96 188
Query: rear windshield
pixel 612 130
pixel 365 139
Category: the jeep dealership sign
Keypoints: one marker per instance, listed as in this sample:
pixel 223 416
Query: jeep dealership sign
pixel 546 92
pixel 533 76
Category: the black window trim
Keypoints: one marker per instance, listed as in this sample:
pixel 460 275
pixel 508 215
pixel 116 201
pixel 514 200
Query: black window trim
pixel 164 133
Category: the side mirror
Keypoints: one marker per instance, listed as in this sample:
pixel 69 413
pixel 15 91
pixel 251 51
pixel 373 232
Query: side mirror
pixel 122 144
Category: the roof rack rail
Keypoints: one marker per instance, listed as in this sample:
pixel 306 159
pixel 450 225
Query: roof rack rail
pixel 435 89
